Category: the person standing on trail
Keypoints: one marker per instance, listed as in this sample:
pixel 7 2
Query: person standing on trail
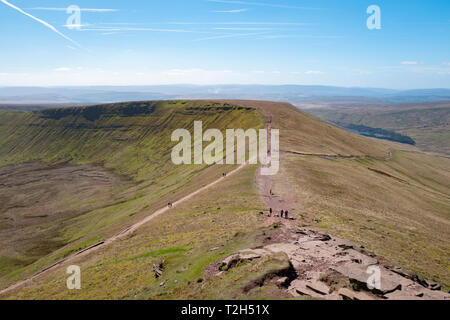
pixel 282 213
pixel 270 212
pixel 271 193
pixel 286 214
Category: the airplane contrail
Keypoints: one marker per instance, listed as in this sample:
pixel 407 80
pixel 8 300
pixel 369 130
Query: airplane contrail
pixel 40 21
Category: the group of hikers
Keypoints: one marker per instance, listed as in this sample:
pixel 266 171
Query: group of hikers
pixel 283 213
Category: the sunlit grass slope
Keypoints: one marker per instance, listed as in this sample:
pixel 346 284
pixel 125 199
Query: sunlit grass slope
pixel 187 239
pixel 130 140
pixel 397 207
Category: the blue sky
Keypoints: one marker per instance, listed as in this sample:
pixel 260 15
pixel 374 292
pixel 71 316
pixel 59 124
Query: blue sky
pixel 139 42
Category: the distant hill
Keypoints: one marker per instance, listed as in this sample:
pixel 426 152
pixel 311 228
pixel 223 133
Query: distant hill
pixel 290 93
pixel 428 124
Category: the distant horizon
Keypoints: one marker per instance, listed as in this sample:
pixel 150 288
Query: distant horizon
pixel 223 84
pixel 288 93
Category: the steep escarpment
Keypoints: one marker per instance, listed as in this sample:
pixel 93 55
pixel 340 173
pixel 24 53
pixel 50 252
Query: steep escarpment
pixel 72 177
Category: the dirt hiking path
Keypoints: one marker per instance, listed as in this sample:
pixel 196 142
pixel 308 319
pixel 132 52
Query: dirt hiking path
pixel 331 268
pixel 120 235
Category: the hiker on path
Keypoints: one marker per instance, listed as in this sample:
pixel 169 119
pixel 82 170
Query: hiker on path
pixel 282 213
pixel 270 212
pixel 286 214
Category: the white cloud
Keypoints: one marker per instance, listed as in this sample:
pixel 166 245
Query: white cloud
pixel 81 9
pixel 243 29
pixel 195 75
pixel 235 35
pixel 231 11
pixel 40 21
pixel 198 76
pixel 275 36
pixel 261 4
pixel 193 72
pixel 410 63
pixel 75 26
pixel 110 30
pixel 62 69
pixel 242 23
pixel 316 72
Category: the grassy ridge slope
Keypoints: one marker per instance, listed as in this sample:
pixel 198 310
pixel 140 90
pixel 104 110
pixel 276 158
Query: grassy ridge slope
pixel 130 140
pixel 208 227
pixel 397 208
pixel 305 134
pixel 133 139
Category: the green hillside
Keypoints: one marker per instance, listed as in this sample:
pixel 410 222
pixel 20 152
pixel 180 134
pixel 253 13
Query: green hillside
pixel 71 177
pixel 389 197
pixel 132 139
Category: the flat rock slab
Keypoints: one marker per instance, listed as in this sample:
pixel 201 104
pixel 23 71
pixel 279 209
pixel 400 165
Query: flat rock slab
pixel 348 294
pixel 301 288
pixel 415 291
pixel 319 287
pixel 359 274
pixel 312 254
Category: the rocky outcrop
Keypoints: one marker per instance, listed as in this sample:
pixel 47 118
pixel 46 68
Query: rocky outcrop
pixel 336 269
